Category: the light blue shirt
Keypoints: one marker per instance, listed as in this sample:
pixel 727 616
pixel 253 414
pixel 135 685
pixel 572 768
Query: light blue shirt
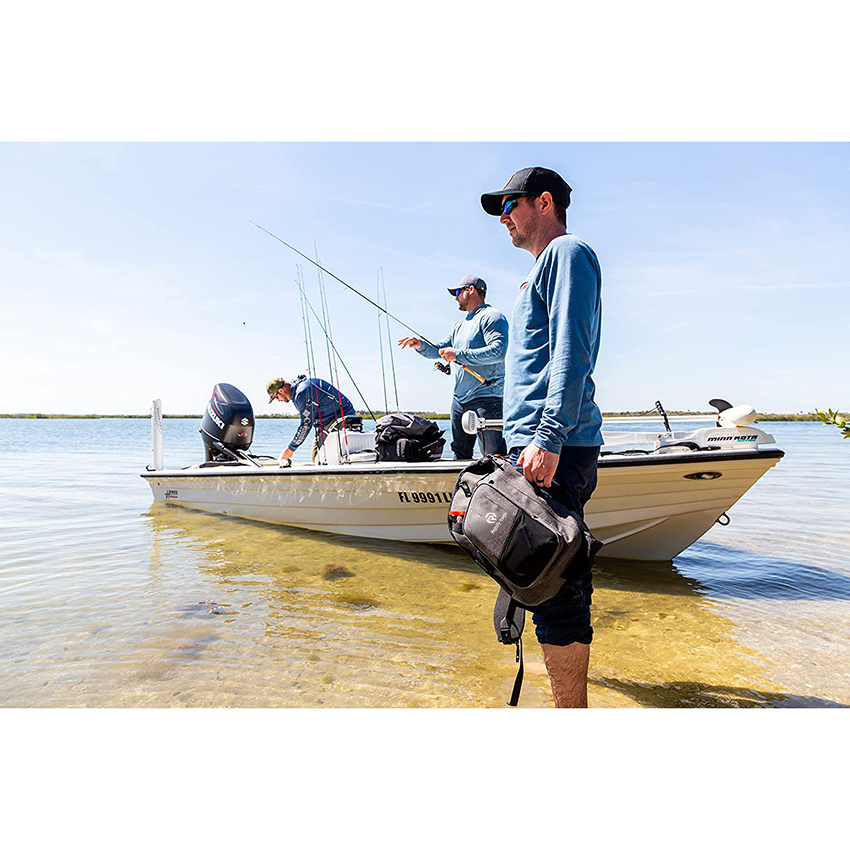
pixel 557 320
pixel 480 341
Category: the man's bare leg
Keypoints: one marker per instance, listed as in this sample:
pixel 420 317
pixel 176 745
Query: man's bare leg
pixel 567 668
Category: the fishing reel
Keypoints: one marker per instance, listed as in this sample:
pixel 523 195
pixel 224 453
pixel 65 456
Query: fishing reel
pixel 443 367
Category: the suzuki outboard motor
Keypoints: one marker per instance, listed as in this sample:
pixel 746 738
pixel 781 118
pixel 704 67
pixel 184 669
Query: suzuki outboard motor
pixel 228 424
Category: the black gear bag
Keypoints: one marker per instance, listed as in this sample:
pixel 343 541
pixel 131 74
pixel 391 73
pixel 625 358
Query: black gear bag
pixel 522 537
pixel 518 533
pixel 407 437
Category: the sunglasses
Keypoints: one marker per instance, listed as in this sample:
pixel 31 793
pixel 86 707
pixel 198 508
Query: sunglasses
pixel 456 292
pixel 509 206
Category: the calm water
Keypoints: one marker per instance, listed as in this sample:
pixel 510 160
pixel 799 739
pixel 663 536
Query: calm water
pixel 109 601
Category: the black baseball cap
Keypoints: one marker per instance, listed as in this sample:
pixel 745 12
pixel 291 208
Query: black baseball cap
pixel 470 280
pixel 529 181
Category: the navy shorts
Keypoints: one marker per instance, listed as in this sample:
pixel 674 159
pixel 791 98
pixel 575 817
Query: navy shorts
pixel 565 618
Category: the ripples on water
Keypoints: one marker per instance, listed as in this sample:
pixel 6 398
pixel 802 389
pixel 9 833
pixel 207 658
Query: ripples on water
pixel 109 600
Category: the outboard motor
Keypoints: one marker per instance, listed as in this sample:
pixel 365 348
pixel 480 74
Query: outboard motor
pixel 228 424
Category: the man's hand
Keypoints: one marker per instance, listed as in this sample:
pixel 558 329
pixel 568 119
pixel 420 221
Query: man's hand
pixel 410 342
pixel 285 457
pixel 538 465
pixel 448 354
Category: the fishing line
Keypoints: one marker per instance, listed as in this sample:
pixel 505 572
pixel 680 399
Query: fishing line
pixel 389 342
pixel 308 336
pixel 323 302
pixel 319 321
pixel 381 346
pixel 364 297
pixel 311 357
pixel 334 369
pixel 347 286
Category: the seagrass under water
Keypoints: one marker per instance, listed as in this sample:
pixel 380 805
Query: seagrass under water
pixel 110 601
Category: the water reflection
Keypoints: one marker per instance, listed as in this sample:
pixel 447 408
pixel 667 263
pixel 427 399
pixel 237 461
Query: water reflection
pixel 327 620
pixel 749 575
pixel 124 605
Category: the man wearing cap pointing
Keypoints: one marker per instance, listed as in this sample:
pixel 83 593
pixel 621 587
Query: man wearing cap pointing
pixel 478 341
pixel 552 423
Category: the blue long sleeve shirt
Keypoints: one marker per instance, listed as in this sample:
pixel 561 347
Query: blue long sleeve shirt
pixel 319 404
pixel 480 341
pixel 557 319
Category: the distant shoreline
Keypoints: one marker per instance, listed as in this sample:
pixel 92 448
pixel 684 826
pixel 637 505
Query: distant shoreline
pixel 762 417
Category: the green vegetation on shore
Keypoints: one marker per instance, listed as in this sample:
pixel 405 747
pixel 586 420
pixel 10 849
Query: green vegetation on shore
pixel 762 417
pixel 834 417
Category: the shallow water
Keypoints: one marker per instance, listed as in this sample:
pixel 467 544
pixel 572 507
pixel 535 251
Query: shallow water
pixel 108 600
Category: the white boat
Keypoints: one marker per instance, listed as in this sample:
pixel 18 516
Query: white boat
pixel 658 492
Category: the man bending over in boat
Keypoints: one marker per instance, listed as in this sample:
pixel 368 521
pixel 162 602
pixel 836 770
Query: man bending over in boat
pixel 320 404
pixel 478 341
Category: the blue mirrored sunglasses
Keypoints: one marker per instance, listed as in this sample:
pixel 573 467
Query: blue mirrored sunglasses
pixel 509 206
pixel 456 292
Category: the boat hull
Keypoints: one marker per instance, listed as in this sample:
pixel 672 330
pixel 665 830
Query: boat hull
pixel 645 507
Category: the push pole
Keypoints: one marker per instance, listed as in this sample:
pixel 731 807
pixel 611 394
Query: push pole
pixel 156 432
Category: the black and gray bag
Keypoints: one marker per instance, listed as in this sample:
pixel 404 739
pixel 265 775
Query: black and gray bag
pixel 407 437
pixel 522 537
pixel 518 533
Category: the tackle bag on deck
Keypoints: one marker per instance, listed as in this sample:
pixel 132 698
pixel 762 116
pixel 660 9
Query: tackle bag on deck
pixel 407 437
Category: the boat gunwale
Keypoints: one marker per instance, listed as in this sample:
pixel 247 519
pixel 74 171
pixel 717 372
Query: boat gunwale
pixel 448 466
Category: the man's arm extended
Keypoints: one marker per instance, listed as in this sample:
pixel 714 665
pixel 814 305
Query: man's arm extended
pixel 303 430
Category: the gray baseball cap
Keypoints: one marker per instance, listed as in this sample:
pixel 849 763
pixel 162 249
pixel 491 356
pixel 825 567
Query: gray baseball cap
pixel 529 181
pixel 470 280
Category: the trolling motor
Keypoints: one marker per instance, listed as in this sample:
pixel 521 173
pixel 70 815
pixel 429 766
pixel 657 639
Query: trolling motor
pixel 228 426
pixel 728 416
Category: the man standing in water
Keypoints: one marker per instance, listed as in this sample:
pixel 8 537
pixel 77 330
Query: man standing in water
pixel 478 341
pixel 320 404
pixel 552 423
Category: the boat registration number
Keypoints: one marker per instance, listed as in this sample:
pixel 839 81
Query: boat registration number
pixel 410 496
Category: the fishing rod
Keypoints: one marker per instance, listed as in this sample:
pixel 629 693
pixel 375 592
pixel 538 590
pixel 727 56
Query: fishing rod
pixel 311 357
pixel 319 321
pixel 365 298
pixel 389 341
pixel 381 348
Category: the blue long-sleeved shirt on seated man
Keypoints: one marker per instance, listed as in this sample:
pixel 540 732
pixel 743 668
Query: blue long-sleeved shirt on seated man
pixel 480 341
pixel 557 320
pixel 319 403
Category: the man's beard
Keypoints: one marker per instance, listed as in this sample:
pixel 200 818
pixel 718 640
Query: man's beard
pixel 522 240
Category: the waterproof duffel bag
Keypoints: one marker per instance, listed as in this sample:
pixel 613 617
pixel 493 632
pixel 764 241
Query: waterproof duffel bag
pixel 518 533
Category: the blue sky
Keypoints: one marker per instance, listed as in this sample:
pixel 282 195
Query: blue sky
pixel 130 270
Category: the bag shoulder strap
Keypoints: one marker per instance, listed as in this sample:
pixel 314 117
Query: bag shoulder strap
pixel 509 621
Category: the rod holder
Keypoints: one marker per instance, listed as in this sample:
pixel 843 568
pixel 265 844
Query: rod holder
pixel 472 423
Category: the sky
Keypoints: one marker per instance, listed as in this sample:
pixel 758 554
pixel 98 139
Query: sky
pixel 131 271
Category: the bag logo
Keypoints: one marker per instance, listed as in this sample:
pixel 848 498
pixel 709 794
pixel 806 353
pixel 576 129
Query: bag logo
pixel 491 518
